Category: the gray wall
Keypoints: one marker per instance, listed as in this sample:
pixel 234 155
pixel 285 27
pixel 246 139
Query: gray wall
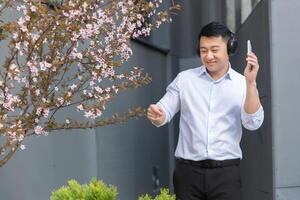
pixel 47 163
pixel 257 163
pixel 285 73
pixel 271 159
pixel 186 26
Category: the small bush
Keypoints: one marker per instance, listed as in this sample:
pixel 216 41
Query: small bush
pixel 95 190
pixel 98 190
pixel 164 195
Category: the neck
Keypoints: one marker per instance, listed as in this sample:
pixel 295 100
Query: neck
pixel 217 75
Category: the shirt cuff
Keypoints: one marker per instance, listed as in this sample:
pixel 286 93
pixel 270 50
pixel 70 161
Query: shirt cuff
pixel 253 121
pixel 257 113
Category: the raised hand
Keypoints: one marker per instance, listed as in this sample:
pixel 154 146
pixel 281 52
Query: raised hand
pixel 252 68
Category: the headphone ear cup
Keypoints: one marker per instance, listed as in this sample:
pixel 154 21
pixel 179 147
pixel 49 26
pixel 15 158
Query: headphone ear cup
pixel 232 45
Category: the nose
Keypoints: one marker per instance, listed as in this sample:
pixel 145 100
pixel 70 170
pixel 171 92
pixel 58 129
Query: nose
pixel 209 55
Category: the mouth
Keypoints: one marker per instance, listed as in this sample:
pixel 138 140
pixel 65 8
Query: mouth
pixel 211 62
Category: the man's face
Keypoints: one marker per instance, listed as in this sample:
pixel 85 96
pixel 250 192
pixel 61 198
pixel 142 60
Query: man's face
pixel 213 53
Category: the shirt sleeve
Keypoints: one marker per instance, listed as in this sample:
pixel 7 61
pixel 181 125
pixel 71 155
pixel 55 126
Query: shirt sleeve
pixel 170 102
pixel 252 121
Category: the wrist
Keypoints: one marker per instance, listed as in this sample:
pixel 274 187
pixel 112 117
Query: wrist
pixel 251 83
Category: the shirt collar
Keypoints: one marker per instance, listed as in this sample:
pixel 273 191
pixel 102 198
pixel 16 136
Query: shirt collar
pixel 229 74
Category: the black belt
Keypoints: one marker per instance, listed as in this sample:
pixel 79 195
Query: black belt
pixel 210 163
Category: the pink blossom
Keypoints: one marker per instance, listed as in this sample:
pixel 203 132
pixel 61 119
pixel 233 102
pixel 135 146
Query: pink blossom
pixel 46 112
pixel 21 21
pixel 92 83
pixel 80 107
pixel 33 68
pixel 22 147
pixel 33 8
pixel 20 137
pixel 18 46
pixel 93 113
pixel 15 35
pixel 45 65
pixel 37 92
pixel 39 110
pixel 27 18
pixel 76 55
pixel 60 101
pixel 99 89
pixel 73 86
pixel 34 36
pixel 40 130
pixel 130 2
pixel 9 101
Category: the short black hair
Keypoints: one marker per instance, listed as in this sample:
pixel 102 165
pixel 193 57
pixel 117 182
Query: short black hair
pixel 215 29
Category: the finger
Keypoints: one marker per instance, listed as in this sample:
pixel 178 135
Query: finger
pixel 151 108
pixel 150 112
pixel 248 68
pixel 253 62
pixel 154 120
pixel 252 55
pixel 155 109
pixel 154 116
pixel 161 111
pixel 151 119
pixel 253 65
pixel 253 59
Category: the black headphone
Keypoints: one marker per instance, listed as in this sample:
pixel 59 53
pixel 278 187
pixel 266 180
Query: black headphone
pixel 232 44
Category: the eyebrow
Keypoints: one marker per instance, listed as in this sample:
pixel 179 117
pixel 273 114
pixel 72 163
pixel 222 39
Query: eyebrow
pixel 215 46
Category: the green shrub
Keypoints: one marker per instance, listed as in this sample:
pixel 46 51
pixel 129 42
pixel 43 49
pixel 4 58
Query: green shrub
pixel 164 195
pixel 98 190
pixel 95 190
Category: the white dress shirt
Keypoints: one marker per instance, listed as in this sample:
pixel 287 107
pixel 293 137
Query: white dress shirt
pixel 211 114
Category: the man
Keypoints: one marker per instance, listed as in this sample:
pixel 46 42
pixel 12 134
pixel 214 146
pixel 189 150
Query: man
pixel 214 101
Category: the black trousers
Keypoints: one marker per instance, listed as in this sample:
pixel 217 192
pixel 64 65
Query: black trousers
pixel 192 182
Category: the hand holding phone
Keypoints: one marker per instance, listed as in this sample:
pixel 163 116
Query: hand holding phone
pixel 252 65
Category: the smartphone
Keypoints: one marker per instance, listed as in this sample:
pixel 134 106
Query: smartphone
pixel 249 47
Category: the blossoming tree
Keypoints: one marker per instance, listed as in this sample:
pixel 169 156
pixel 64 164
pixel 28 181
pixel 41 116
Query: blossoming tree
pixel 66 54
